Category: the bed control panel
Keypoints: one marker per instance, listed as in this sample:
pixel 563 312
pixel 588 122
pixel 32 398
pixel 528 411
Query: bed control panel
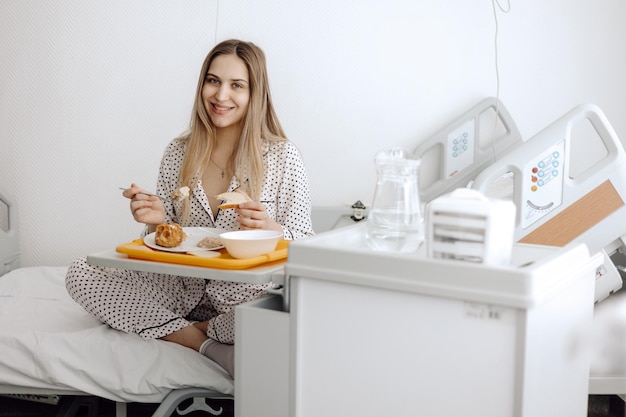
pixel 460 148
pixel 542 189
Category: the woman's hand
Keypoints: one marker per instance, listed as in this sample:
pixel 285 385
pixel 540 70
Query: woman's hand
pixel 252 215
pixel 146 208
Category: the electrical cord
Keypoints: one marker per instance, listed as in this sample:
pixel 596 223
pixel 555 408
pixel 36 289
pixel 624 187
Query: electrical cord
pixel 497 6
pixel 217 17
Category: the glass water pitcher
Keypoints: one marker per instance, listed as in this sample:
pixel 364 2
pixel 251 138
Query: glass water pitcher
pixel 395 221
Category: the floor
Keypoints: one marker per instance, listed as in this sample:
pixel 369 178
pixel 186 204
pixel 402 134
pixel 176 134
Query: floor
pixel 11 407
pixel 606 406
pixel 599 406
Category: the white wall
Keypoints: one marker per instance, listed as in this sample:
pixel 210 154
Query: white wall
pixel 91 91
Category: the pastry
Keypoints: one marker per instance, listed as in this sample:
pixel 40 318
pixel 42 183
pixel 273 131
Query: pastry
pixel 169 235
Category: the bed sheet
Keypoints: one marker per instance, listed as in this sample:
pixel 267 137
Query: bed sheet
pixel 48 341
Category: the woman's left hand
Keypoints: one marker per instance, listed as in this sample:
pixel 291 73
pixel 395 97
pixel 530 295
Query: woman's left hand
pixel 253 215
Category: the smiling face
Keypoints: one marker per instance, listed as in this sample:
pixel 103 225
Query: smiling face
pixel 226 91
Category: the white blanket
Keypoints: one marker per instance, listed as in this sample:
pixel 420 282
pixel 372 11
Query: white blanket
pixel 49 341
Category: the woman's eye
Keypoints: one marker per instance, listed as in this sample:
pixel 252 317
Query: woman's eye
pixel 212 81
pixel 236 85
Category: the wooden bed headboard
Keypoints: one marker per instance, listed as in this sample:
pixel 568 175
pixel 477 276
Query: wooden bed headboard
pixel 9 243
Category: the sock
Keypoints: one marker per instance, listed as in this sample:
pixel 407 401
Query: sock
pixel 221 353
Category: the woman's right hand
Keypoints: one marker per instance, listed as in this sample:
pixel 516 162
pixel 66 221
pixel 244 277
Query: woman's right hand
pixel 146 208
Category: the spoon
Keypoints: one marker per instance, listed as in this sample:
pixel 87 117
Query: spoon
pixel 144 193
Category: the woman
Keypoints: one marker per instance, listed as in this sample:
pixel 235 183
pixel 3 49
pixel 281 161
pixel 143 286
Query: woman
pixel 235 142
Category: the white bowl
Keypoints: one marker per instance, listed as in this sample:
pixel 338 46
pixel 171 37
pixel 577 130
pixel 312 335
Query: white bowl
pixel 250 243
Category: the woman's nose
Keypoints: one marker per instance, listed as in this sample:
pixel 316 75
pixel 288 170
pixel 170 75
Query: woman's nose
pixel 222 93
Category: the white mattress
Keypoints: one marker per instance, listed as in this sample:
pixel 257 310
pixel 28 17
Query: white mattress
pixel 48 341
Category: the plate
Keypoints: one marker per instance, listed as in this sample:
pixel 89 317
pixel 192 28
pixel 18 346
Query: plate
pixel 194 235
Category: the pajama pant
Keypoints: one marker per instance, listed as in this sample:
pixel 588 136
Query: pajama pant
pixel 154 305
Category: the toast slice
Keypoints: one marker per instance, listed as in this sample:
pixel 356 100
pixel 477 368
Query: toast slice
pixel 232 199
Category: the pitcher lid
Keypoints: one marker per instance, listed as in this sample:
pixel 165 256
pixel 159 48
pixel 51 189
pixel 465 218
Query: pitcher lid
pixel 396 156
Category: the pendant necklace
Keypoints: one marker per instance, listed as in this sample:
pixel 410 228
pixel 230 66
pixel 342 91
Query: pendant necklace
pixel 222 173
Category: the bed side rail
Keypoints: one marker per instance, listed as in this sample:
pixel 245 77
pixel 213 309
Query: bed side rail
pixel 453 157
pixel 9 244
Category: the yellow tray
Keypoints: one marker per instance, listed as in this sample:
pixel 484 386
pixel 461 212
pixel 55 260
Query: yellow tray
pixel 137 249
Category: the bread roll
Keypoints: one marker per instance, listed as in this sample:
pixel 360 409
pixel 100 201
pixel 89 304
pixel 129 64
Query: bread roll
pixel 232 199
pixel 169 235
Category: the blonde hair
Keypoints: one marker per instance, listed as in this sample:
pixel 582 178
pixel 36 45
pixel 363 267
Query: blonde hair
pixel 260 124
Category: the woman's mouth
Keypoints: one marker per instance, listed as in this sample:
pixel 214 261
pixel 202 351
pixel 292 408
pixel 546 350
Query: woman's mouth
pixel 221 108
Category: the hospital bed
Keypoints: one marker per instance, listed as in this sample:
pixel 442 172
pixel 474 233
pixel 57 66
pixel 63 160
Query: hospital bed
pixel 52 348
pixel 579 193
pixel 568 184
